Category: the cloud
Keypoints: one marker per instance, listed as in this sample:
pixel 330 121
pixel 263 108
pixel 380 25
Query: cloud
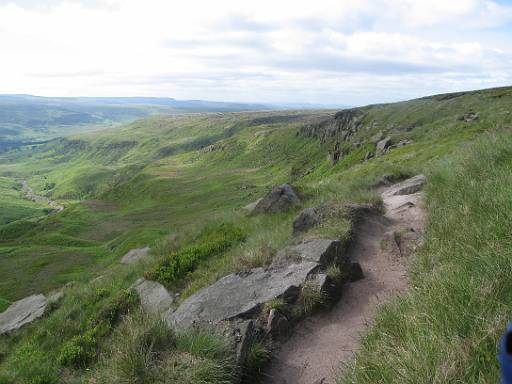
pixel 323 51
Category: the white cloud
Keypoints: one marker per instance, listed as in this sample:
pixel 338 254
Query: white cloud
pixel 344 51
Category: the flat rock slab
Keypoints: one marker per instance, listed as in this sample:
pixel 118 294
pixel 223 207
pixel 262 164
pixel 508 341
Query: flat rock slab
pixel 407 187
pixel 322 252
pixel 22 312
pixel 154 297
pixel 241 294
pixel 134 255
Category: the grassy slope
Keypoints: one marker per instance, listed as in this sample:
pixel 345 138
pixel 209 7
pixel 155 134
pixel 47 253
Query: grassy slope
pixel 162 189
pixel 446 329
pixel 155 194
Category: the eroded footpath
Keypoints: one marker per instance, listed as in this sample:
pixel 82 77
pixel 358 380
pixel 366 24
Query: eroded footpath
pixel 322 344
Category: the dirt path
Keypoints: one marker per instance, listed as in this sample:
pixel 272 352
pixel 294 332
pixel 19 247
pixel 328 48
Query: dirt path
pixel 322 344
pixel 31 195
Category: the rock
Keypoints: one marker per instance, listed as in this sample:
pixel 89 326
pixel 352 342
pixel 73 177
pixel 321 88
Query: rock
pixel 22 312
pixel 355 211
pixel 377 137
pixel 243 333
pixel 55 298
pixel 368 156
pixel 385 181
pixel 306 220
pixel 401 143
pixel 277 324
pixel 250 207
pixel 407 187
pixel 134 255
pixel 280 199
pixel 356 272
pixel 382 146
pixel 154 298
pixel 321 252
pixel 323 282
pixel 468 117
pixel 241 295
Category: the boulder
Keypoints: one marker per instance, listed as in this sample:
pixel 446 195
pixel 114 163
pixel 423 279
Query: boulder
pixel 280 199
pixel 134 255
pixel 468 117
pixel 407 187
pixel 382 146
pixel 320 251
pixel 154 298
pixel 306 220
pixel 22 312
pixel 241 295
pixel 277 324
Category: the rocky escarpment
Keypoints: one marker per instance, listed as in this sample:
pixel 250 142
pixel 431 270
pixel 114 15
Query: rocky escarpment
pixel 342 127
pixel 353 128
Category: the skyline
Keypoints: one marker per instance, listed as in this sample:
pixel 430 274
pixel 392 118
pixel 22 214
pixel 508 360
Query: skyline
pixel 330 52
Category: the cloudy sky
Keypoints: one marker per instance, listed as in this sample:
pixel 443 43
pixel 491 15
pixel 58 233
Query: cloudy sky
pixel 318 51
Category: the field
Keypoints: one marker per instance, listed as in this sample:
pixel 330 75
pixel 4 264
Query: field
pixel 163 181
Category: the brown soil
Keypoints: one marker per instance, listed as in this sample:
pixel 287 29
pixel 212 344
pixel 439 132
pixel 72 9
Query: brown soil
pixel 323 344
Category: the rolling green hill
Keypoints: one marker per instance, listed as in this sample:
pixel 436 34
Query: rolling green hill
pixel 164 181
pixel 26 119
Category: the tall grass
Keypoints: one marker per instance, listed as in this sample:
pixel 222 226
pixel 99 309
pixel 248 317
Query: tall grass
pixel 447 328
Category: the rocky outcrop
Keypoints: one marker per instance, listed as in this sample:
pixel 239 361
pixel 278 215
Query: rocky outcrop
pixel 280 199
pixel 311 217
pixel 22 312
pixel 241 295
pixel 135 255
pixel 342 127
pixel 154 297
pixel 382 146
pixel 321 252
pixel 407 187
pixel 306 220
pixel 468 117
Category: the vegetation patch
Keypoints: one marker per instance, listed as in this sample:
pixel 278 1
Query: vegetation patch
pixel 211 242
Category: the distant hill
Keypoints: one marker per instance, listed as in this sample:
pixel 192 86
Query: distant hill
pixel 26 118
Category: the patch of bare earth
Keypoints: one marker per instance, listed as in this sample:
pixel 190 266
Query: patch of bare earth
pixel 323 344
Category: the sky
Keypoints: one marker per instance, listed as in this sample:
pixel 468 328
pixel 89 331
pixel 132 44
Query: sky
pixel 344 52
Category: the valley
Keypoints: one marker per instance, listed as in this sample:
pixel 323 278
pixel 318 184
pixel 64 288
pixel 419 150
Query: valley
pixel 178 184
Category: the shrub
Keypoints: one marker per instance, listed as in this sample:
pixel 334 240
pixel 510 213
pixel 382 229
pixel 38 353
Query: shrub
pixel 211 242
pixel 80 350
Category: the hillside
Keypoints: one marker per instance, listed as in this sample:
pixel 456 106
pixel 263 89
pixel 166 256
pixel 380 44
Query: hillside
pixel 26 119
pixel 178 183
